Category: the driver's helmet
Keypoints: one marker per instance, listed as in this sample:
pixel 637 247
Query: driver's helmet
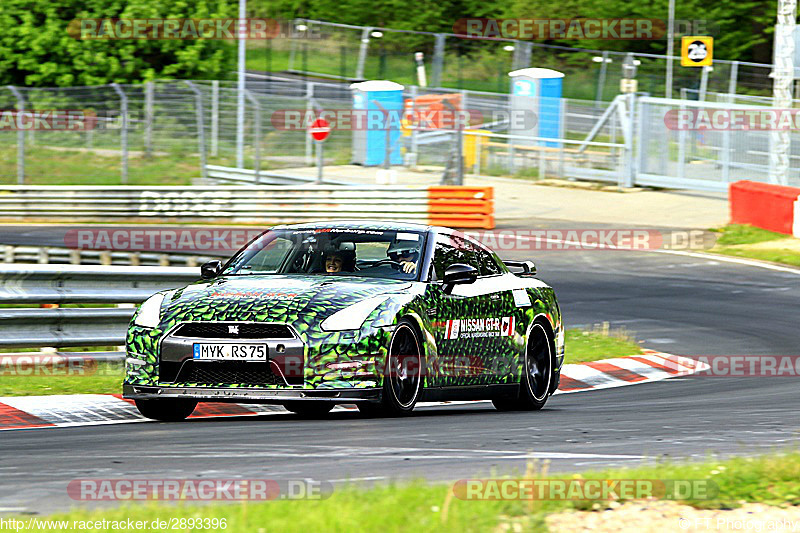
pixel 403 248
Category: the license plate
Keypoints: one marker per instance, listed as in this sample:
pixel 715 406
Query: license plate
pixel 230 352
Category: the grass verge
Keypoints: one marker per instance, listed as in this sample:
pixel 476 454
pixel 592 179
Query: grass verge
pixel 600 342
pixel 769 479
pixel 755 243
pixel 105 378
pixel 582 346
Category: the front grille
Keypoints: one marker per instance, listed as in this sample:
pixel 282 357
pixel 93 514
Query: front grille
pixel 226 372
pixel 220 330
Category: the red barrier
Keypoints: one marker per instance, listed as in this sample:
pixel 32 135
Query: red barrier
pixel 763 205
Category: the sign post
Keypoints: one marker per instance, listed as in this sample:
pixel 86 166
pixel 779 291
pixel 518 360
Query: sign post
pixel 319 131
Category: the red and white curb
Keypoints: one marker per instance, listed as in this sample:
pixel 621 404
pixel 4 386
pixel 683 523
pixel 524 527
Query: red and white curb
pixel 33 412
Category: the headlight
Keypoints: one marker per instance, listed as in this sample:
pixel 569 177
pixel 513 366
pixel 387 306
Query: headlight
pixel 352 317
pixel 149 313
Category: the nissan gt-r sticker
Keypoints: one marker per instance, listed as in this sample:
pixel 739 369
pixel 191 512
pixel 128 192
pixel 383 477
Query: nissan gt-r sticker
pixel 470 328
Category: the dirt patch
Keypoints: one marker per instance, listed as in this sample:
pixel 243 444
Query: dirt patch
pixel 658 516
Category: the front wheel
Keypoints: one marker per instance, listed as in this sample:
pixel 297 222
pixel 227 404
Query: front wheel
pixel 537 371
pixel 308 408
pixel 166 409
pixel 402 381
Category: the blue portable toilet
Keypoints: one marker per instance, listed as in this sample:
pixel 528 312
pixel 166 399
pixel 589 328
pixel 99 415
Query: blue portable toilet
pixel 369 140
pixel 537 90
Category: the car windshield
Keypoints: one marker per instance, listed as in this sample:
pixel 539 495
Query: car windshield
pixel 372 253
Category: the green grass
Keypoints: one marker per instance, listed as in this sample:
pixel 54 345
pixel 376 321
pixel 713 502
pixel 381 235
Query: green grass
pixel 734 234
pixel 46 166
pixel 581 346
pixel 736 240
pixel 105 379
pixel 419 506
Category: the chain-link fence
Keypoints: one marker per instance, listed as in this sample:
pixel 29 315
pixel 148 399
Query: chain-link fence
pixel 166 132
pixel 357 52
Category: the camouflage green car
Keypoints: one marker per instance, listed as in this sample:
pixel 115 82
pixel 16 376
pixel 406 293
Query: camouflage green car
pixel 376 314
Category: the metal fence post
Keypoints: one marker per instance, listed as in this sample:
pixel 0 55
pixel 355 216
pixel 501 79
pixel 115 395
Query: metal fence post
pixel 257 141
pixel 703 83
pixel 201 134
pixel 628 175
pixel 734 77
pixel 148 118
pixel 362 53
pixel 309 111
pixel 214 117
pixel 438 60
pixel 601 81
pixel 20 137
pixel 123 107
pixel 562 134
pixel 414 145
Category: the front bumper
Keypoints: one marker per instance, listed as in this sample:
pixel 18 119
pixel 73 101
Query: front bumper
pixel 243 395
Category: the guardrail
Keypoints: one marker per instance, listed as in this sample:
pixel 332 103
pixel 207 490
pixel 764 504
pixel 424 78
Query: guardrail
pixel 67 284
pixel 50 255
pixel 471 207
pixel 262 177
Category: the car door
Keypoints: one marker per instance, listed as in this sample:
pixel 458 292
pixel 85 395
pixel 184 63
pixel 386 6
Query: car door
pixel 466 319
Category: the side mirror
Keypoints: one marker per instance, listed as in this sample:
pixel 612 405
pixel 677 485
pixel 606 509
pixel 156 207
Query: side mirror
pixel 459 274
pixel 528 267
pixel 211 269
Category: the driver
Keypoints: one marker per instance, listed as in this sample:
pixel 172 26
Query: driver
pixel 406 253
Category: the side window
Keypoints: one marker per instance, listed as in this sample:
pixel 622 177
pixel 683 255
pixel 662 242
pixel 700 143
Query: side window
pixel 489 266
pixel 450 250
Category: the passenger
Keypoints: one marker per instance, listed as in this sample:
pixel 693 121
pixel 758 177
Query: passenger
pixel 340 261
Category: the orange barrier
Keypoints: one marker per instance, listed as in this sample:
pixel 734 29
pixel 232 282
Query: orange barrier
pixel 764 205
pixel 461 207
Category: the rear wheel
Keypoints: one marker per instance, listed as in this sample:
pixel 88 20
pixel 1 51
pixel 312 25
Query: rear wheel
pixel 402 381
pixel 537 371
pixel 309 408
pixel 166 409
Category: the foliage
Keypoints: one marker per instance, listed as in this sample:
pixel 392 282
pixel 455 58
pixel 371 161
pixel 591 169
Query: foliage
pixel 36 48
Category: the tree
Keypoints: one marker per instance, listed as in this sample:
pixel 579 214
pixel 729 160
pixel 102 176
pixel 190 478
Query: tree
pixel 36 48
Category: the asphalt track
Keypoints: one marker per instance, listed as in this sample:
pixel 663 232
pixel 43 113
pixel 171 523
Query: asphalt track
pixel 677 304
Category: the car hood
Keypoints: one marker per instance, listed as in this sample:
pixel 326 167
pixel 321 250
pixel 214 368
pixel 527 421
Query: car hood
pixel 272 298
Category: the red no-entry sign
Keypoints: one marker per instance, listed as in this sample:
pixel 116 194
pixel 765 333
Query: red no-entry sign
pixel 320 129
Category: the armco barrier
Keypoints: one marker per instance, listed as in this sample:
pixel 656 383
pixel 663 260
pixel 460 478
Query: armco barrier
pixel 457 206
pixel 69 284
pixel 765 205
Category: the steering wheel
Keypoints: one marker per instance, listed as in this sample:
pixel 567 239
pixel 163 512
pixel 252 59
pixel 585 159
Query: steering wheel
pixel 391 262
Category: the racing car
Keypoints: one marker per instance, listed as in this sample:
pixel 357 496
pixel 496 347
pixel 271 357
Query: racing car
pixel 380 315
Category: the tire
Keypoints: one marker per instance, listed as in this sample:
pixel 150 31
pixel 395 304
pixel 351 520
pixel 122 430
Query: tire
pixel 308 408
pixel 402 381
pixel 537 372
pixel 166 409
